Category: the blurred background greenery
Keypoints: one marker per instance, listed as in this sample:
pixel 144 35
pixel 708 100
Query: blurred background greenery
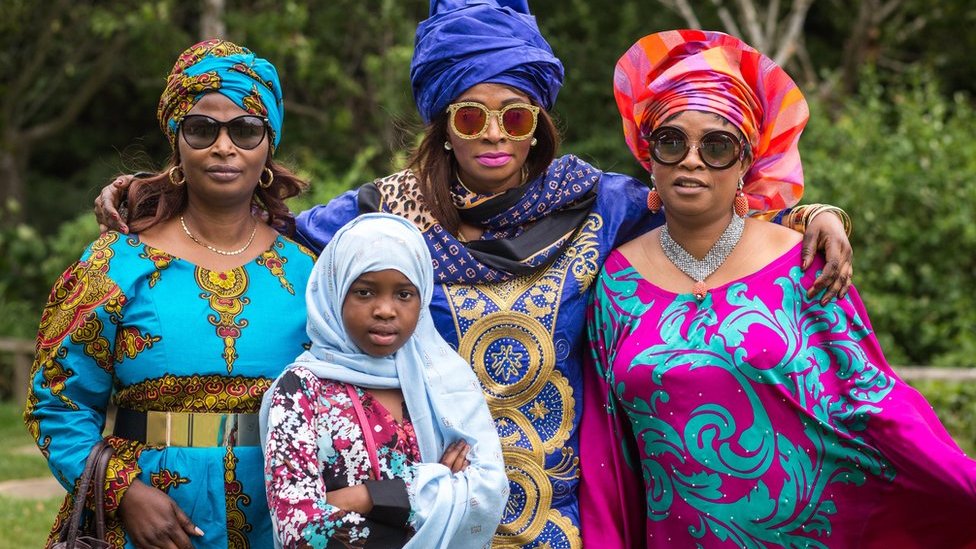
pixel 890 84
pixel 891 139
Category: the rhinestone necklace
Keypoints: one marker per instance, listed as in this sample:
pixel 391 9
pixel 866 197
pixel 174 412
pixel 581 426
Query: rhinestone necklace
pixel 699 270
pixel 238 251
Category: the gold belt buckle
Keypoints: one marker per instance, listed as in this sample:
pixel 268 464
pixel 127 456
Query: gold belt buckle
pixel 201 429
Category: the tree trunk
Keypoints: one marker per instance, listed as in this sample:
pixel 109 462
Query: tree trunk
pixel 13 165
pixel 212 20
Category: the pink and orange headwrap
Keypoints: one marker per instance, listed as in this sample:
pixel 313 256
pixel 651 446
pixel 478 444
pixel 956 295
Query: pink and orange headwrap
pixel 679 70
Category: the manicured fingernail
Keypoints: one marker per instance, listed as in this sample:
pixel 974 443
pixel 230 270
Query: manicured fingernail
pixel 198 530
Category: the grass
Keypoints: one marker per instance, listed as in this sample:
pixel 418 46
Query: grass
pixel 16 459
pixel 26 523
pixel 23 523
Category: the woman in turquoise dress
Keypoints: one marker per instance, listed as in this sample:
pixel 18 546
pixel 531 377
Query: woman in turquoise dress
pixel 183 324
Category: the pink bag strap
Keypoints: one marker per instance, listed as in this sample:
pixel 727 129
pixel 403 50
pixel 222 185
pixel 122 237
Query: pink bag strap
pixel 367 431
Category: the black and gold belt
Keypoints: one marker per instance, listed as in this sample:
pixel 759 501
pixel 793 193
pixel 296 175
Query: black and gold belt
pixel 188 429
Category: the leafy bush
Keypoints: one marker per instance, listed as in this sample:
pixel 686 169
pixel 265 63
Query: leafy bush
pixel 955 404
pixel 900 161
pixel 29 265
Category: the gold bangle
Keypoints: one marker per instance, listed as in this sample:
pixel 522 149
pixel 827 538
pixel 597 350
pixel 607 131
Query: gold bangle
pixel 840 213
pixel 800 217
pixel 794 219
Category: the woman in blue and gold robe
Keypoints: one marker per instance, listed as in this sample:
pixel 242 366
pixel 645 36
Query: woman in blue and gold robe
pixel 515 258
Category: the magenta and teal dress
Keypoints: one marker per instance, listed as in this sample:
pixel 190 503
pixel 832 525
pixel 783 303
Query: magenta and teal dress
pixel 758 418
pixel 137 327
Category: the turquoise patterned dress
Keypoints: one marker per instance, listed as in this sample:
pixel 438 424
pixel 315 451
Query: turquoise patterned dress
pixel 140 328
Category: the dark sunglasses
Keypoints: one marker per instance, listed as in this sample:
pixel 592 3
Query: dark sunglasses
pixel 718 149
pixel 470 120
pixel 200 131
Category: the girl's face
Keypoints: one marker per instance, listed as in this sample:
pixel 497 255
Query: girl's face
pixel 380 311
pixel 491 163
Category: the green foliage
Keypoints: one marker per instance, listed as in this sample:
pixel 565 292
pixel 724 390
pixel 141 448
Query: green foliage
pixel 348 104
pixel 29 265
pixel 588 39
pixel 900 160
pixel 955 404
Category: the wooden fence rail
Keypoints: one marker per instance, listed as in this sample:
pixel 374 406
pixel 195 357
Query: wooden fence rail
pixel 23 354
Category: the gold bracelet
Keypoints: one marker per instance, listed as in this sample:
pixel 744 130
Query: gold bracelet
pixel 844 218
pixel 794 219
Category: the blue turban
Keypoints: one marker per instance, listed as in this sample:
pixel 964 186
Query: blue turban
pixel 230 70
pixel 467 42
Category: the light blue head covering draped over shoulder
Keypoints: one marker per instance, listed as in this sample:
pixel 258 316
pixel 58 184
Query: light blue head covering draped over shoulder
pixel 441 392
pixel 467 42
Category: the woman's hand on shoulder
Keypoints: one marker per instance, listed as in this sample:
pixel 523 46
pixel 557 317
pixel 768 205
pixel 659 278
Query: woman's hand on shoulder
pixel 826 234
pixel 107 205
pixel 152 519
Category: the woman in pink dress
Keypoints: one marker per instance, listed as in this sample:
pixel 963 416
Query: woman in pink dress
pixel 743 413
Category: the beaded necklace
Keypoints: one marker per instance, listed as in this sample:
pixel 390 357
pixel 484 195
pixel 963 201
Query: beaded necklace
pixel 699 270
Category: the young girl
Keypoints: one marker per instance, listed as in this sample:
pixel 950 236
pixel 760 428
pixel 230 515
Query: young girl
pixel 379 435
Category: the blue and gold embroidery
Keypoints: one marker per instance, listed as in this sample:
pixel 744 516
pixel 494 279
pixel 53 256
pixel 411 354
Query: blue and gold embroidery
pixel 506 332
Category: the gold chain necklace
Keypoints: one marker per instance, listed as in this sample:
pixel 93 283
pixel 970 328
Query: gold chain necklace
pixel 238 251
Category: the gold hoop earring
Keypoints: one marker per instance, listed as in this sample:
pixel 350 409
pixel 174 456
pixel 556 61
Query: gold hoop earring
pixel 173 180
pixel 265 185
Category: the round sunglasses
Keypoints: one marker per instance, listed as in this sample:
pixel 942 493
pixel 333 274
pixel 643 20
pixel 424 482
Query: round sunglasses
pixel 470 120
pixel 718 149
pixel 200 131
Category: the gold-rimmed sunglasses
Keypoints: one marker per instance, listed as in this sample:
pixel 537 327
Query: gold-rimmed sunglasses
pixel 470 120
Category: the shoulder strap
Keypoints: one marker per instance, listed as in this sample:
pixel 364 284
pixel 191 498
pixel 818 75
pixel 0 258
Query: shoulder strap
pixel 367 431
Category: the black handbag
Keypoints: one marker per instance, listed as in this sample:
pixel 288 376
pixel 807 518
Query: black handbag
pixel 73 535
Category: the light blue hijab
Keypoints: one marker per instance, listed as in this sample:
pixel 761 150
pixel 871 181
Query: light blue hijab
pixel 441 392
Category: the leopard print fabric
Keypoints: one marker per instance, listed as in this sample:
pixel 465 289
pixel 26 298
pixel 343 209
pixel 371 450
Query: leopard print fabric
pixel 400 195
